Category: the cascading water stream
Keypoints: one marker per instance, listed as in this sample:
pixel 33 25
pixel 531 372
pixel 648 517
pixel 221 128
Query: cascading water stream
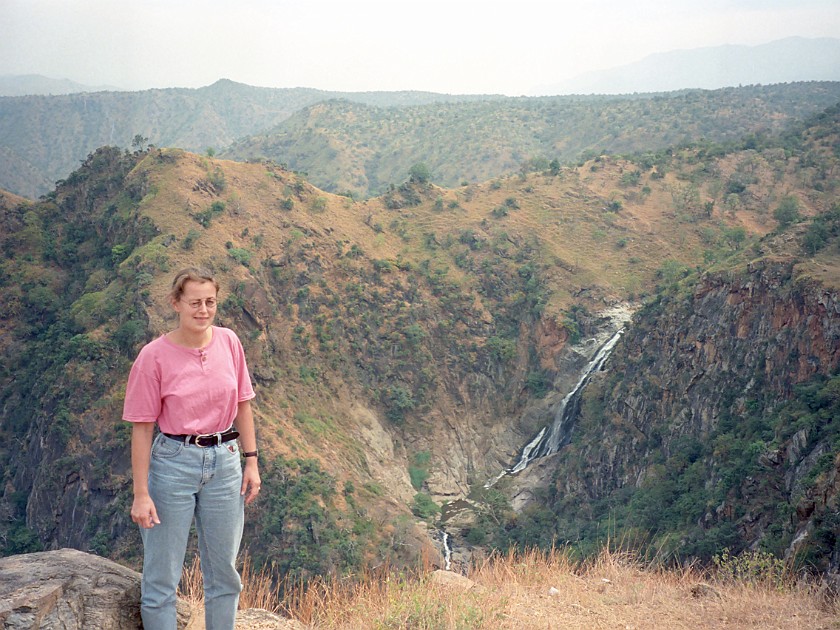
pixel 552 437
pixel 447 551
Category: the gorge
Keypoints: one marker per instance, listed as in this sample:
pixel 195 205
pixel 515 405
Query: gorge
pixel 406 347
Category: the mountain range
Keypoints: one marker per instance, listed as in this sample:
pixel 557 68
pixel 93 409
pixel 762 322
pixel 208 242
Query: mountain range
pixel 363 143
pixel 781 61
pixel 788 60
pixel 30 84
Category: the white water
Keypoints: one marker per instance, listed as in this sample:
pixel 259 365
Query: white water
pixel 552 437
pixel 447 552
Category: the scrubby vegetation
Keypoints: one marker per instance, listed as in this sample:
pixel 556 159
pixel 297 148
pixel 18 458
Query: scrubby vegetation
pixel 346 145
pixel 549 589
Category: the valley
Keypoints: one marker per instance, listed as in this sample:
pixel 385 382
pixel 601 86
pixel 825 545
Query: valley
pixel 406 347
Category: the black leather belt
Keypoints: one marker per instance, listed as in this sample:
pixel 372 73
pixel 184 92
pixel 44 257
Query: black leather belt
pixel 208 439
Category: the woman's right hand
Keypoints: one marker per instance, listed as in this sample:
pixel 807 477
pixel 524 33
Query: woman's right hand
pixel 143 512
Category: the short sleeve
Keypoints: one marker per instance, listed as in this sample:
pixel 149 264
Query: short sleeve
pixel 143 401
pixel 243 378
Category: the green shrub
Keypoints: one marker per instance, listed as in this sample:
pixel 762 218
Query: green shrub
pixel 128 335
pixel 21 539
pixel 424 506
pixel 205 217
pixel 319 204
pixel 630 178
pixel 538 384
pixel 190 239
pixel 418 476
pixel 418 470
pixel 501 349
pixel 217 179
pixel 398 400
pixel 787 211
pixel 119 253
pixel 751 567
pixel 240 255
pixel 89 310
pixel 477 535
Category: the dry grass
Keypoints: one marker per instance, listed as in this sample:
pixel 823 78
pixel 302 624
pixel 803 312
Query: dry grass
pixel 259 590
pixel 535 590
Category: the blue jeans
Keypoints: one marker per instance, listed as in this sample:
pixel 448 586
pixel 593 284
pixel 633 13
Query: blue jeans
pixel 187 481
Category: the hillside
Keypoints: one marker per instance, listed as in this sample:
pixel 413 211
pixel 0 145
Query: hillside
pixel 718 422
pixel 404 348
pixel 43 138
pixel 366 142
pixel 350 147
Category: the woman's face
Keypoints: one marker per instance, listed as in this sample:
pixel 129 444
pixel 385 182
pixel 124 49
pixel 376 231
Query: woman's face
pixel 196 307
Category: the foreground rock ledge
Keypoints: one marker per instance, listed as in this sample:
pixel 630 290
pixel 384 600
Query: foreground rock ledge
pixel 73 590
pixel 67 589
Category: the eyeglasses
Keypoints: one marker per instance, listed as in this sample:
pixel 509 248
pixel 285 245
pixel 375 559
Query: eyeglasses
pixel 210 303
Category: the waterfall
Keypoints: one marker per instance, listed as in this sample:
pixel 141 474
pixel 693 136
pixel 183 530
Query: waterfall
pixel 552 437
pixel 447 551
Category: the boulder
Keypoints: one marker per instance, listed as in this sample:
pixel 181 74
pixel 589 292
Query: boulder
pixel 448 579
pixel 67 589
pixel 72 590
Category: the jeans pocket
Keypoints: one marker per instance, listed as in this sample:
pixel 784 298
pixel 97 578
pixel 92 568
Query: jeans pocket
pixel 164 447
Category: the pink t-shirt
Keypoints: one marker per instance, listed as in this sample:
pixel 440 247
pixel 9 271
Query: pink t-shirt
pixel 187 390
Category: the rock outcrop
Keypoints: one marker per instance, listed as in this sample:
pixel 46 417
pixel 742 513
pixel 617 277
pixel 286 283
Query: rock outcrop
pixel 67 589
pixel 72 590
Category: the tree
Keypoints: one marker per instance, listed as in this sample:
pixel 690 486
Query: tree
pixel 424 506
pixel 138 141
pixel 419 174
pixel 815 238
pixel 787 212
pixel 734 236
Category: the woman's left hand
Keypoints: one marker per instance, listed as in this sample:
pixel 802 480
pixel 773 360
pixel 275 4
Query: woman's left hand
pixel 250 480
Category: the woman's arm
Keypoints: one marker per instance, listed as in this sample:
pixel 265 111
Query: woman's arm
pixel 143 510
pixel 244 423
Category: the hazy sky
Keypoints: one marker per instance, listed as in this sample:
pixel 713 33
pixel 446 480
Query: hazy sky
pixel 450 46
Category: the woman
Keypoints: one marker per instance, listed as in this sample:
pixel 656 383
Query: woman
pixel 194 383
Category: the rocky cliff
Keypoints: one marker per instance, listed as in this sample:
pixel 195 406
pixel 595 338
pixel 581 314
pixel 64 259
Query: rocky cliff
pixel 717 420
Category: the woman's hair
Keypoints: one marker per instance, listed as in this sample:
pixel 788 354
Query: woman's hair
pixel 185 275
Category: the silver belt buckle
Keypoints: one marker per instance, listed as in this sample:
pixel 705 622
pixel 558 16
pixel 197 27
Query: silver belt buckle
pixel 218 437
